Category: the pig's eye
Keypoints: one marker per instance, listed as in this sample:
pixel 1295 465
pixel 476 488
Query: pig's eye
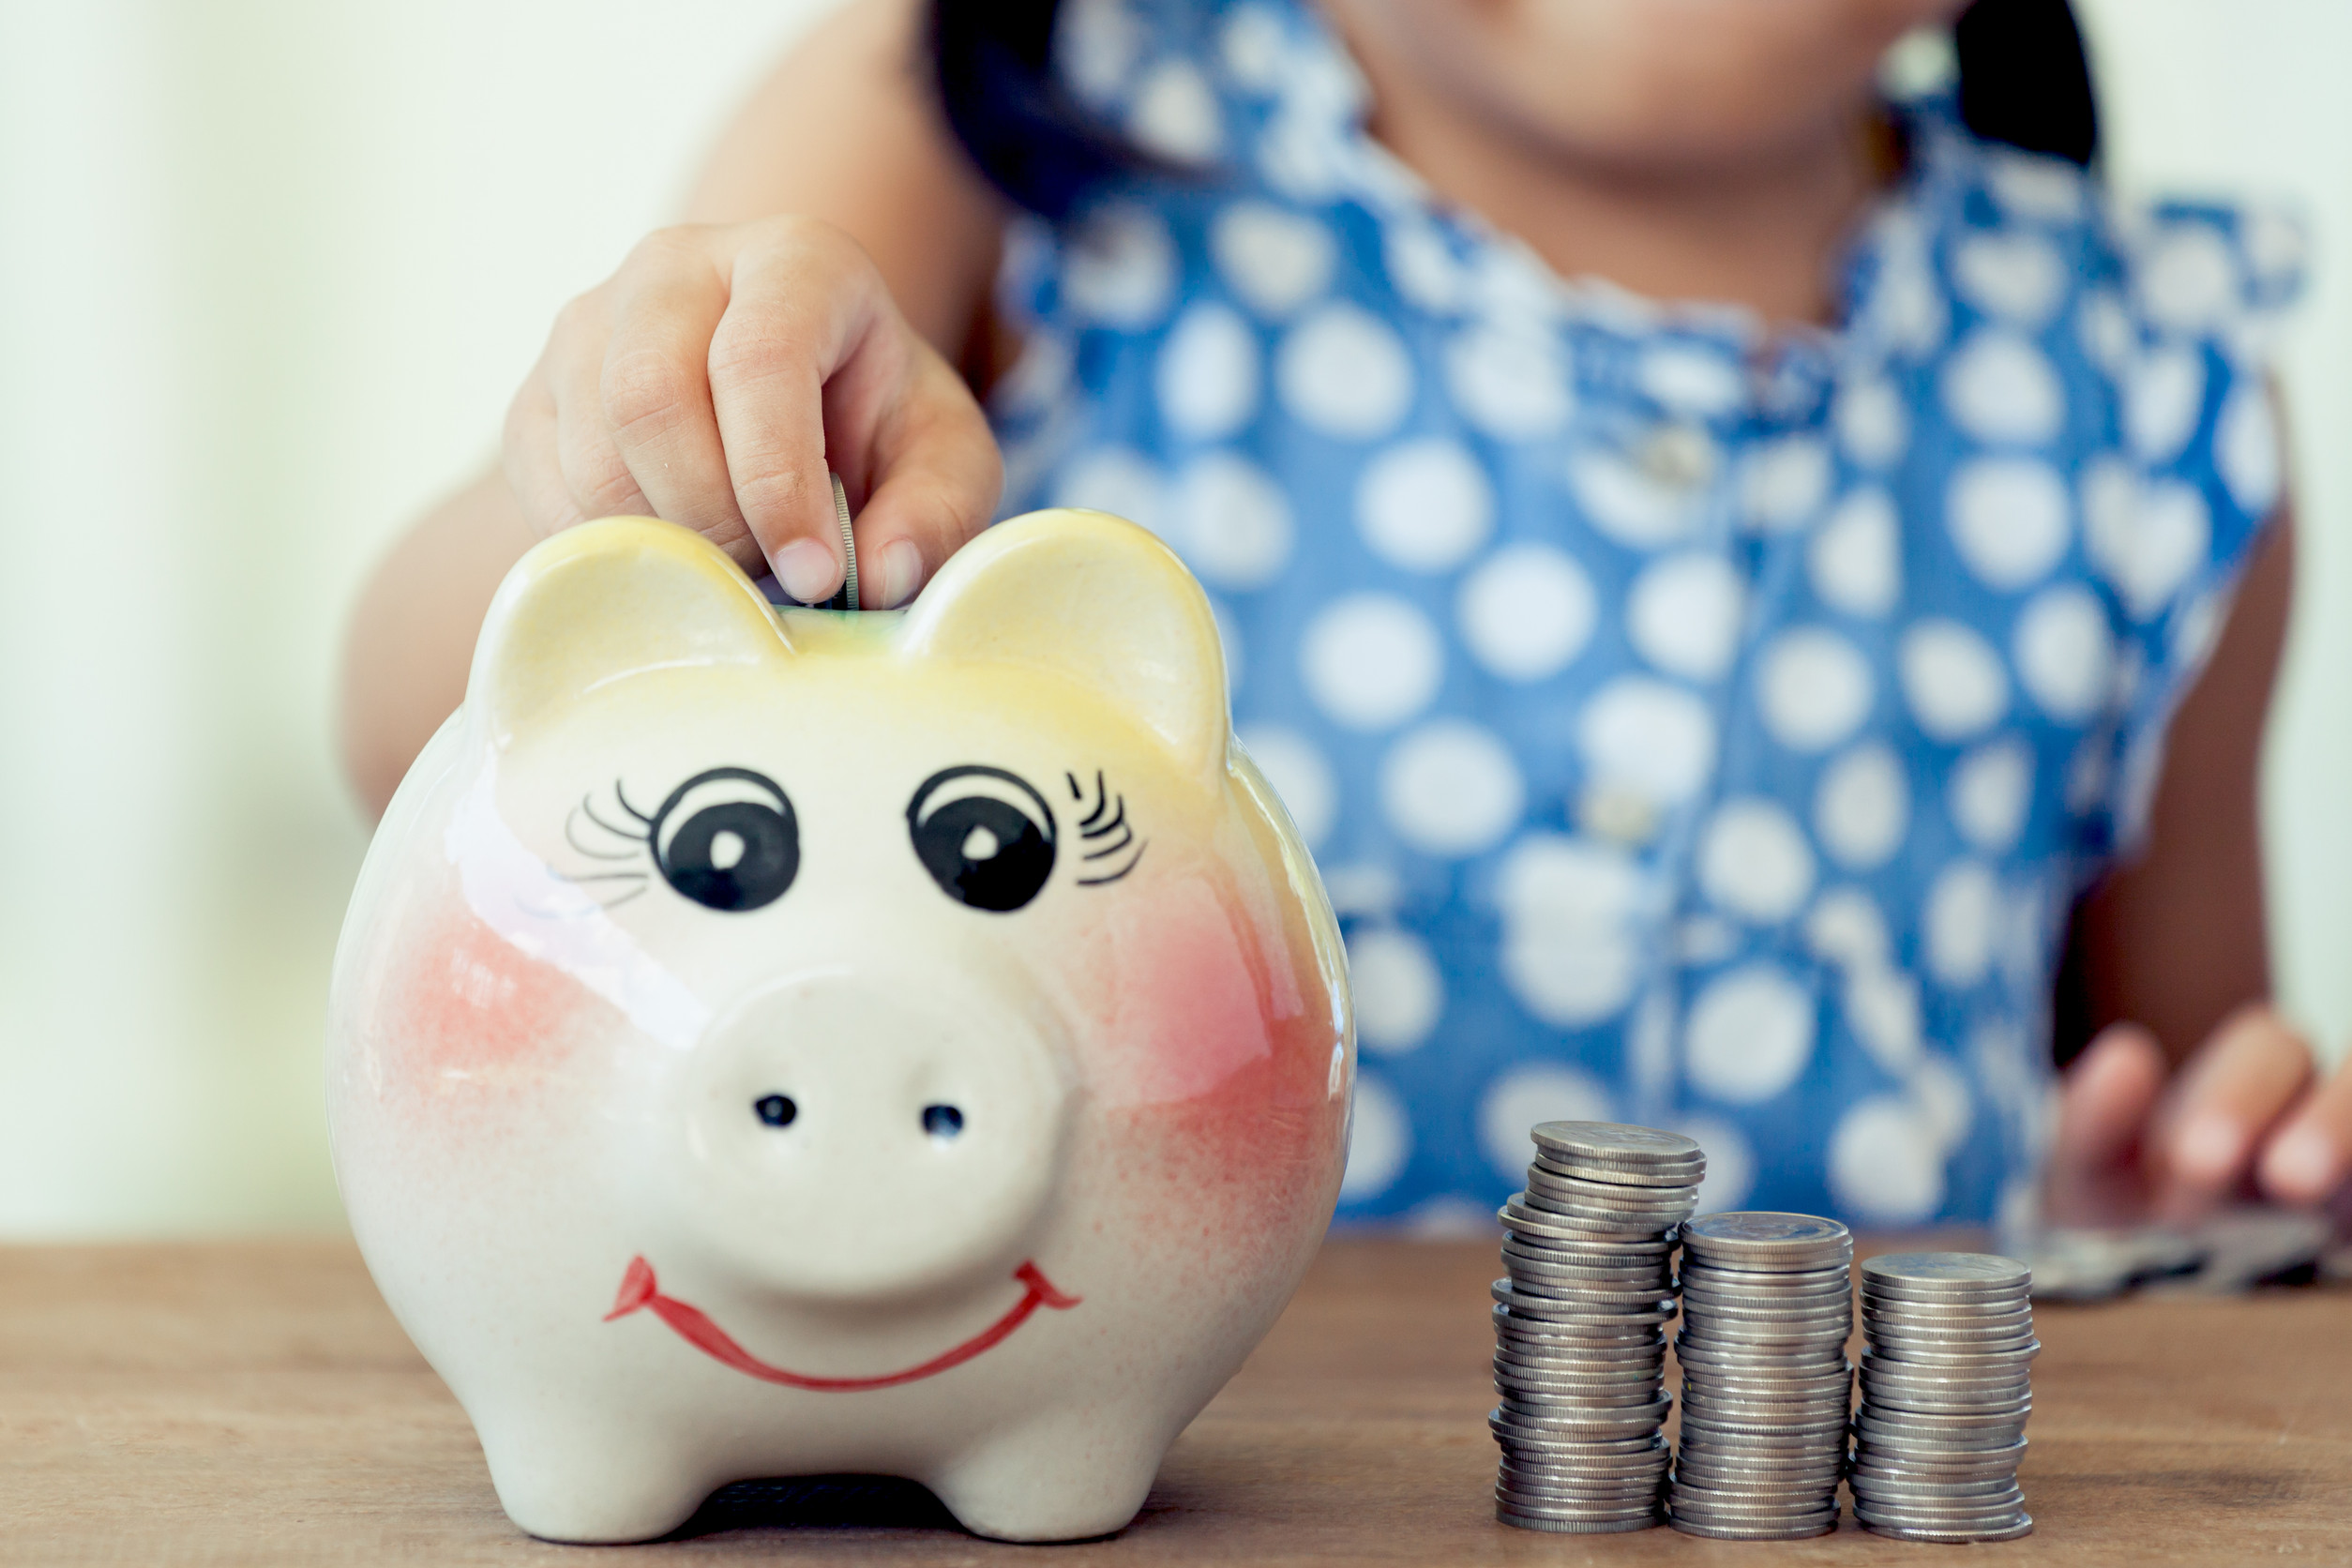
pixel 984 835
pixel 727 839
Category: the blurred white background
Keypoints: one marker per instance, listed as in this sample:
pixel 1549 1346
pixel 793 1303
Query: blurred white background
pixel 269 270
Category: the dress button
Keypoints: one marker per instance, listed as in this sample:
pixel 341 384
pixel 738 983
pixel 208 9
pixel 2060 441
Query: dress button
pixel 1614 812
pixel 1677 456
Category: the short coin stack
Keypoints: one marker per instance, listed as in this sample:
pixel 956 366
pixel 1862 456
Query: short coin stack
pixel 1767 1306
pixel 1945 1392
pixel 1580 1326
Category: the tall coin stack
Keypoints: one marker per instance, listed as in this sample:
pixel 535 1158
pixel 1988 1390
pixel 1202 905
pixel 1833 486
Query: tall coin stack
pixel 1945 1394
pixel 1580 1326
pixel 1767 1306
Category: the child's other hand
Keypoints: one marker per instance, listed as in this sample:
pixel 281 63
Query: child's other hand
pixel 714 379
pixel 2248 1109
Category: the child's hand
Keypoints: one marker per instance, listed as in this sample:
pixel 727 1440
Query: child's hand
pixel 2247 1108
pixel 714 379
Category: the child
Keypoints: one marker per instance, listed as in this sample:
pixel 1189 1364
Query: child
pixel 1709 692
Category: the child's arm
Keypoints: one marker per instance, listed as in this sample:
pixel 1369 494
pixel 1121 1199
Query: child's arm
pixel 2197 1086
pixel 689 384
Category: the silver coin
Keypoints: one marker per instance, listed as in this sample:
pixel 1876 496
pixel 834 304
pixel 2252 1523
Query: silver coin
pixel 1584 1249
pixel 1959 1330
pixel 1538 1425
pixel 1834 1314
pixel 1560 1451
pixel 1609 1376
pixel 1708 1294
pixel 1627 1177
pixel 1990 1486
pixel 1652 1461
pixel 1555 1501
pixel 1612 1195
pixel 1760 1238
pixel 1945 1420
pixel 1818 1474
pixel 1882 1440
pixel 2011 1532
pixel 1948 1271
pixel 2005 1358
pixel 1837 1275
pixel 1956 1379
pixel 847 597
pixel 1523 1221
pixel 1897 1463
pixel 1537 1404
pixel 1744 1532
pixel 1539 1296
pixel 1700 1510
pixel 1760 1360
pixel 1564 1491
pixel 1573 1527
pixel 1538 1265
pixel 1939 1518
pixel 1833 1391
pixel 1614 1141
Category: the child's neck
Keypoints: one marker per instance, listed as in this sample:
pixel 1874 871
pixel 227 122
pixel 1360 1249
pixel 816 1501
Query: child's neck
pixel 1764 234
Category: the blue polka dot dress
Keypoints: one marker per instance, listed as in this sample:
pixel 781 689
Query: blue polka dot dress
pixel 1695 726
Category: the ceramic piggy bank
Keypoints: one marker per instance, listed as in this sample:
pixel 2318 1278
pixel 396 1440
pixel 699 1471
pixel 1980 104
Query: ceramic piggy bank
pixel 788 1042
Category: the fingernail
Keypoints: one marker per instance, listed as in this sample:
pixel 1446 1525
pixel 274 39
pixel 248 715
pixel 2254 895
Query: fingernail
pixel 808 571
pixel 901 572
pixel 2209 1147
pixel 2302 1164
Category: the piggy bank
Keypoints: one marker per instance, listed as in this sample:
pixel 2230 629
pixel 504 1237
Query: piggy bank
pixel 789 1042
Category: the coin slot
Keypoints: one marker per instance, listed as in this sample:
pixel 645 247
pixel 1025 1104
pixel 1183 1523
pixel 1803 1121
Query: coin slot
pixel 943 1120
pixel 777 1110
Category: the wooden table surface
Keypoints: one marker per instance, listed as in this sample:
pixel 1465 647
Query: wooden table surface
pixel 254 1403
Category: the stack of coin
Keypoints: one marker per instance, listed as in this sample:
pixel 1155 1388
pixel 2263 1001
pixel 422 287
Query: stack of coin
pixel 1767 1306
pixel 1580 1326
pixel 1945 1392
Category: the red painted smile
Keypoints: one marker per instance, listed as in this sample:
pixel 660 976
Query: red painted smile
pixel 695 1327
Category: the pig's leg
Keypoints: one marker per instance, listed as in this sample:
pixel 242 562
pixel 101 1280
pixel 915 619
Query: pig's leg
pixel 583 1476
pixel 1064 1475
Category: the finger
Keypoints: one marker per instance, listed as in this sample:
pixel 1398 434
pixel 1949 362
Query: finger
pixel 2105 1098
pixel 596 476
pixel 804 305
pixel 527 453
pixel 2310 1159
pixel 2230 1092
pixel 654 388
pixel 931 479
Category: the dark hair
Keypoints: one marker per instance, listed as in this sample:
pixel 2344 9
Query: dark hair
pixel 2023 79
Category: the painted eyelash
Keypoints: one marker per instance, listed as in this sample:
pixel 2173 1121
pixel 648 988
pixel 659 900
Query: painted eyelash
pixel 1107 821
pixel 640 842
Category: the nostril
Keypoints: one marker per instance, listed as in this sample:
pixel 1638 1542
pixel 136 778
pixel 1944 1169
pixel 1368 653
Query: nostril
pixel 943 1120
pixel 777 1110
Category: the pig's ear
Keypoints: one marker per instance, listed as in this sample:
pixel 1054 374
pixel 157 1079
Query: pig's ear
pixel 599 602
pixel 1092 599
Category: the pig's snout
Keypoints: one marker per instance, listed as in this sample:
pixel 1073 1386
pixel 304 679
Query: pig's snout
pixel 848 1140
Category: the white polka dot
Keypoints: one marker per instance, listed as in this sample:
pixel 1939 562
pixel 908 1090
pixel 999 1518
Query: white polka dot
pixel 2065 652
pixel 2010 519
pixel 1207 374
pixel 1422 267
pixel 1371 660
pixel 2034 184
pixel 2086 773
pixel 1121 267
pixel 2107 331
pixel 1962 923
pixel 1526 611
pixel 1705 940
pixel 1343 371
pixel 1856 558
pixel 1379 1139
pixel 1647 737
pixel 1628 503
pixel 1990 790
pixel 1906 306
pixel 1518 1100
pixel 2170 536
pixel 1882 1007
pixel 1700 383
pixel 1039 377
pixel 1684 615
pixel 2018 276
pixel 1233 523
pixel 1749 1035
pixel 1863 809
pixel 2163 396
pixel 1299 776
pixel 1813 688
pixel 2246 451
pixel 1114 480
pixel 1096 42
pixel 1730 1162
pixel 1253 48
pixel 1885 1164
pixel 1753 861
pixel 2187 280
pixel 1569 908
pixel 1510 384
pixel 1944 1101
pixel 1511 290
pixel 1871 422
pixel 1175 114
pixel 2000 387
pixel 1785 481
pixel 1951 679
pixel 1398 992
pixel 1450 787
pixel 1424 505
pixel 1276 259
pixel 1843 926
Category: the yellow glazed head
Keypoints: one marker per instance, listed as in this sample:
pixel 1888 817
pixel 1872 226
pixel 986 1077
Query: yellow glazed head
pixel 791 1042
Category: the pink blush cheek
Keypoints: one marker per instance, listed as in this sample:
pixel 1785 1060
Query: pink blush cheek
pixel 1180 1012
